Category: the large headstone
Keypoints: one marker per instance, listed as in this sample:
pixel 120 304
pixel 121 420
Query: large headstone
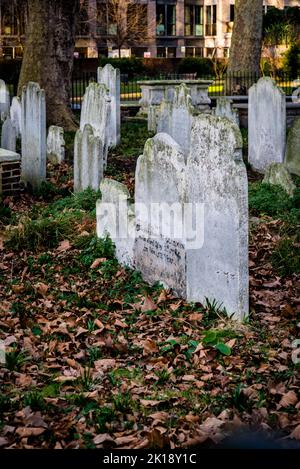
pixel 4 100
pixel 267 124
pixel 292 158
pixel 224 109
pixel 8 136
pixel 278 175
pixel 110 77
pixel 96 109
pixel 56 145
pixel 116 219
pixel 16 114
pixel 88 160
pixel 175 118
pixel 217 178
pixel 34 152
pixel 160 195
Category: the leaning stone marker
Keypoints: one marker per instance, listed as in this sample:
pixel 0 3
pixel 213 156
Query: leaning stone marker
pixel 4 101
pixel 175 118
pixel 56 145
pixel 8 137
pixel 33 134
pixel 224 109
pixel 217 178
pixel 277 174
pixel 88 160
pixel 110 77
pixel 96 109
pixel 16 115
pixel 160 195
pixel 116 219
pixel 267 124
pixel 292 158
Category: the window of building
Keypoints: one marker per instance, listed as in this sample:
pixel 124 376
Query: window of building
pixel 194 52
pixel 165 20
pixel 193 20
pixel 226 52
pixel 166 52
pixel 232 12
pixel 83 20
pixel 211 20
pixel 12 17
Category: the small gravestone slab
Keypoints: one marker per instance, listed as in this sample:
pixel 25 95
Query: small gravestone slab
pixel 277 174
pixel 292 157
pixel 110 77
pixel 8 137
pixel 4 101
pixel 224 109
pixel 88 160
pixel 267 124
pixel 56 145
pixel 16 115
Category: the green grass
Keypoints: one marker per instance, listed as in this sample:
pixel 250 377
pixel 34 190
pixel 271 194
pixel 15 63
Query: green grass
pixel 266 199
pixel 286 257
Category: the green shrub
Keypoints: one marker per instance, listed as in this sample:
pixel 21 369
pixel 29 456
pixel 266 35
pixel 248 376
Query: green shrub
pixel 286 257
pixel 129 66
pixel 85 200
pixel 292 60
pixel 195 65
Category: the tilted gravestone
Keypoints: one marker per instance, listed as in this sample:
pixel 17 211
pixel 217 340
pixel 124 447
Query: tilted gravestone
pixel 16 115
pixel 292 157
pixel 88 160
pixel 34 152
pixel 267 124
pixel 224 109
pixel 96 109
pixel 277 174
pixel 160 195
pixel 175 118
pixel 4 101
pixel 116 219
pixel 217 178
pixel 56 145
pixel 110 77
pixel 8 137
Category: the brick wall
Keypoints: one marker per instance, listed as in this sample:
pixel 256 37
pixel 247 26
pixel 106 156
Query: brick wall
pixel 10 173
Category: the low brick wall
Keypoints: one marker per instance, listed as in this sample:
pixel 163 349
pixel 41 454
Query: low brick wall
pixel 10 173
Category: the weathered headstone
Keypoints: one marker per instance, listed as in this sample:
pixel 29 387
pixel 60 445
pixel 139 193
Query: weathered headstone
pixel 224 109
pixel 116 219
pixel 4 100
pixel 267 124
pixel 34 152
pixel 159 197
pixel 292 158
pixel 278 175
pixel 217 178
pixel 110 77
pixel 96 109
pixel 88 160
pixel 175 118
pixel 16 115
pixel 296 96
pixel 8 137
pixel 56 145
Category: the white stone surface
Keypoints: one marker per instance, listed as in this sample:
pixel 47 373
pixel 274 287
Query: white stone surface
pixel 8 156
pixel 159 248
pixel 224 109
pixel 4 100
pixel 217 178
pixel 56 145
pixel 16 115
pixel 110 77
pixel 116 219
pixel 267 124
pixel 96 110
pixel 33 135
pixel 175 118
pixel 88 160
pixel 8 136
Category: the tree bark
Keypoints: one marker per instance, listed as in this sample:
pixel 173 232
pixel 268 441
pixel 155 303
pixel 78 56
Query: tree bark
pixel 48 55
pixel 245 52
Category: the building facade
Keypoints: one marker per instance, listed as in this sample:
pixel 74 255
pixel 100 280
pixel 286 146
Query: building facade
pixel 171 28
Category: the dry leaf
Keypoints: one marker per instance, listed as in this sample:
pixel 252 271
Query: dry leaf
pixel 290 398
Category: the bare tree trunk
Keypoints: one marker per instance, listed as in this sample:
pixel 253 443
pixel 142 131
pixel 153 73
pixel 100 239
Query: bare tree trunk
pixel 48 55
pixel 246 43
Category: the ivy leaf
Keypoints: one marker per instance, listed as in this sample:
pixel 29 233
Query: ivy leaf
pixel 224 349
